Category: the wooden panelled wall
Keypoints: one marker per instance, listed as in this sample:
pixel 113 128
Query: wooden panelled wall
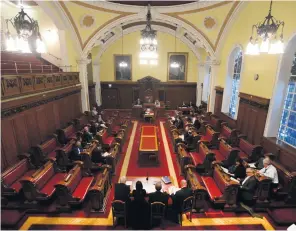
pixel 252 113
pixel 29 121
pixel 122 95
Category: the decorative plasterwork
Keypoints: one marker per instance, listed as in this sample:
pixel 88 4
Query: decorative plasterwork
pixel 209 23
pixel 87 21
pixel 176 15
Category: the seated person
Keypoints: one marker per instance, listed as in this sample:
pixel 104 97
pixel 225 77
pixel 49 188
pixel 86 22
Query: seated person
pixel 259 163
pixel 183 104
pixel 86 136
pixel 100 119
pixel 95 128
pixel 140 208
pixel 270 171
pixel 189 139
pixel 158 196
pixel 238 170
pixel 157 103
pixel 122 191
pixel 138 102
pixel 107 152
pixel 248 187
pixel 96 156
pixel 180 196
pixel 196 123
pixel 190 104
pixel 179 123
pixel 75 152
pixel 94 111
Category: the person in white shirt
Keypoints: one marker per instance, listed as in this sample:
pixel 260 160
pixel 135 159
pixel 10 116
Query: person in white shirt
pixel 94 111
pixel 107 153
pixel 100 119
pixel 157 103
pixel 270 171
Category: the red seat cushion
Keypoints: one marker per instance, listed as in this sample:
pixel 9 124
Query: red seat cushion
pixel 49 188
pixel 212 187
pixel 196 158
pixel 109 140
pixel 16 186
pixel 116 129
pixel 82 188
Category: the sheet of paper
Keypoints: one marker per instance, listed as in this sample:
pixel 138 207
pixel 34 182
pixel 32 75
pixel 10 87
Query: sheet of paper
pixel 225 169
pixel 182 137
pixel 252 165
pixel 129 182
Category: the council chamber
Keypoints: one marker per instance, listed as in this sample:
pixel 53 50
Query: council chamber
pixel 148 115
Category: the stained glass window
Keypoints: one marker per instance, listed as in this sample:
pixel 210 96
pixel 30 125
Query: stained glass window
pixel 235 84
pixel 287 130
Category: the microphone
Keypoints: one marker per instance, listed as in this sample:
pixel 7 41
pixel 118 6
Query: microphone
pixel 147 177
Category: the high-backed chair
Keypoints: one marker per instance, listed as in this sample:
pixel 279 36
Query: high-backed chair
pixel 187 207
pixel 119 211
pixel 157 211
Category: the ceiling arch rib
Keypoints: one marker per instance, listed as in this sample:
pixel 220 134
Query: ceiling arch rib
pixel 133 27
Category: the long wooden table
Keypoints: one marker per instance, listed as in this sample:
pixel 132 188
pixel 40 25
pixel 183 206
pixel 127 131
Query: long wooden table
pixel 148 148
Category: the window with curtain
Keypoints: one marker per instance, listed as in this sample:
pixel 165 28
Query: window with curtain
pixel 287 130
pixel 235 84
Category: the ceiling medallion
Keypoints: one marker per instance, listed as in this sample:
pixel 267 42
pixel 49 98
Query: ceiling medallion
pixel 87 21
pixel 209 23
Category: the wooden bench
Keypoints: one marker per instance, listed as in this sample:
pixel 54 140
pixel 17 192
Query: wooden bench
pixel 100 189
pixel 105 139
pixel 82 121
pixel 10 185
pixel 286 191
pixel 215 122
pixel 228 134
pixel 221 189
pixel 62 155
pixel 86 155
pixel 211 137
pixel 113 158
pixel 226 153
pixel 73 188
pixel 47 149
pixel 183 157
pixel 40 184
pixel 199 192
pixel 248 151
pixel 66 134
pixel 203 151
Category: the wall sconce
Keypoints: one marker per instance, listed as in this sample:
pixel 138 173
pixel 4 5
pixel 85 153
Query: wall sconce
pixel 109 85
pixel 256 77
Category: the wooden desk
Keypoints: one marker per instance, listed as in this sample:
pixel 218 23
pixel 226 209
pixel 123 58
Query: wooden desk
pixel 148 148
pixel 136 111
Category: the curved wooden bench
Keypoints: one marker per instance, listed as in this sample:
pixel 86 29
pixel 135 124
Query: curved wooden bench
pixel 221 189
pixel 103 137
pixel 183 157
pixel 40 184
pixel 73 188
pixel 66 134
pixel 86 154
pixel 248 151
pixel 228 134
pixel 113 158
pixel 62 155
pixel 215 122
pixel 10 184
pixel 100 188
pixel 211 137
pixel 226 153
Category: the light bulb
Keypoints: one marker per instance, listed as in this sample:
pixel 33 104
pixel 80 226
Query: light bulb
pixel 252 49
pixel 141 41
pixel 143 61
pixel 40 46
pixel 10 44
pixel 264 46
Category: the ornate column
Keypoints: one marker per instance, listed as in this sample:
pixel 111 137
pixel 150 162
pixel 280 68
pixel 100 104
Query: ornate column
pixel 214 64
pixel 96 79
pixel 200 80
pixel 82 66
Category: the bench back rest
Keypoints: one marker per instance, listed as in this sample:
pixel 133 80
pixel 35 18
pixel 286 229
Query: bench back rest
pixel 72 179
pixel 43 175
pixel 225 131
pixel 104 135
pixel 284 175
pixel 222 179
pixel 68 131
pixel 81 121
pixel 253 151
pixel 62 154
pixel 215 122
pixel 48 146
pixel 15 172
pixel 203 150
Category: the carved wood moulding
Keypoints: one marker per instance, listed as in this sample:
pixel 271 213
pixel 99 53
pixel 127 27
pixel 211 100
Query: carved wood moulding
pixel 219 89
pixel 254 100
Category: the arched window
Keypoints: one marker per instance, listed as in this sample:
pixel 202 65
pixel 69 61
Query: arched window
pixel 235 84
pixel 287 130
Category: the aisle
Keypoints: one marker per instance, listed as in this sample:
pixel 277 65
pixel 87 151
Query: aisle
pixel 133 168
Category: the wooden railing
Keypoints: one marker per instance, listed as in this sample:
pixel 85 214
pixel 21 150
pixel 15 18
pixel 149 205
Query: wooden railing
pixel 14 85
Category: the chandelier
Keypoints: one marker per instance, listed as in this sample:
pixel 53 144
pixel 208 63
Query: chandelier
pixel 28 38
pixel 122 64
pixel 266 38
pixel 148 43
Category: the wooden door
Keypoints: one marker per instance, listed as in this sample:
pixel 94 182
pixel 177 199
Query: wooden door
pixel 110 98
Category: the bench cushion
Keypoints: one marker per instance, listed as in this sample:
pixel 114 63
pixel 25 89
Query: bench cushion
pixel 211 187
pixel 16 186
pixel 196 158
pixel 82 188
pixel 49 188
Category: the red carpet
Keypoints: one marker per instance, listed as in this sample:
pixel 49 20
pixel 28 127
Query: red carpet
pixel 134 169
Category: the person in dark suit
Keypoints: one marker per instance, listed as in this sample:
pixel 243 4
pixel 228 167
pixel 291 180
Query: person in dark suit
pixel 196 123
pixel 180 196
pixel 179 123
pixel 158 196
pixel 248 187
pixel 96 156
pixel 75 152
pixel 189 139
pixel 238 170
pixel 140 208
pixel 122 191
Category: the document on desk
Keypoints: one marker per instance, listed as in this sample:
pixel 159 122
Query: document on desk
pixel 173 190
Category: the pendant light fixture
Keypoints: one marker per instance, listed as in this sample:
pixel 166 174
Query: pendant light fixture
pixel 266 38
pixel 122 64
pixel 175 64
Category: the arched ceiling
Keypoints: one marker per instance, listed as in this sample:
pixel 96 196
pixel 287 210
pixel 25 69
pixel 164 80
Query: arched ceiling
pixel 153 3
pixel 201 21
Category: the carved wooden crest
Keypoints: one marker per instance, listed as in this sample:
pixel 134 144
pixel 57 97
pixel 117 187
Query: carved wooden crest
pixel 149 79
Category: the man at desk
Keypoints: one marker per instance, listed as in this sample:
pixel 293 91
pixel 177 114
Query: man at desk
pixel 138 102
pixel 248 187
pixel 158 196
pixel 270 171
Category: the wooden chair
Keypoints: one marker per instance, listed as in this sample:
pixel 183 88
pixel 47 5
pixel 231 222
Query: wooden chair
pixel 157 211
pixel 119 211
pixel 187 206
